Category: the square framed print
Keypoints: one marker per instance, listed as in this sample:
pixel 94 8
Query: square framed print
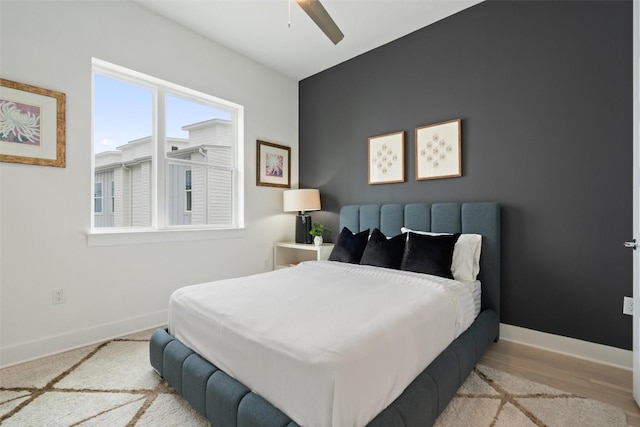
pixel 438 150
pixel 273 165
pixel 32 125
pixel 386 158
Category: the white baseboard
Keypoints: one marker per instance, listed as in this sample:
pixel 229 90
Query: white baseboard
pixel 599 353
pixel 36 349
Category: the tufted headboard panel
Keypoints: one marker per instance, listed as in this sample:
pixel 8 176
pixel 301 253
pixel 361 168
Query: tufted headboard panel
pixel 478 218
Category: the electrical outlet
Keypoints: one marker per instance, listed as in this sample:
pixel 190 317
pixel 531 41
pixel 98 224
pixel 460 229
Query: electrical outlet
pixel 58 296
pixel 627 306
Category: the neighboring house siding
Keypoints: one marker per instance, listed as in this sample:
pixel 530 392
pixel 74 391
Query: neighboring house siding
pixel 177 208
pixel 220 202
pixel 202 136
pixel 224 135
pixel 199 195
pixel 212 201
pixel 128 202
pixel 121 185
pixel 207 153
pixel 217 132
pixel 141 195
pixel 105 218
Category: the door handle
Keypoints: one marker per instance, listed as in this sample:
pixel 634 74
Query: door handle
pixel 632 244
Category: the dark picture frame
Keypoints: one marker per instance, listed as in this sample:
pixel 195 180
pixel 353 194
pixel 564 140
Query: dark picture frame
pixel 273 165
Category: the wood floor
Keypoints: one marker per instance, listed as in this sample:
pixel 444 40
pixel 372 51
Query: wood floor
pixel 577 376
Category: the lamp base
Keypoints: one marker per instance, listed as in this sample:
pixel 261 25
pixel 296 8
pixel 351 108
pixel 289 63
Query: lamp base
pixel 303 227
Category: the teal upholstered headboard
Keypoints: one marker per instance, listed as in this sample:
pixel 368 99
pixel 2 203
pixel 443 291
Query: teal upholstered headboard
pixel 477 218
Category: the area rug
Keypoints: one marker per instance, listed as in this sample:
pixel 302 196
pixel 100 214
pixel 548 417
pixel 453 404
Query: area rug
pixel 112 384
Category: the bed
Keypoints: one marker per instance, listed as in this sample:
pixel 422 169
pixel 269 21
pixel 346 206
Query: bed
pixel 224 401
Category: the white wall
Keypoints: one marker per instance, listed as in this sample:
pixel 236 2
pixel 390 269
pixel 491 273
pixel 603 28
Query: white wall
pixel 45 211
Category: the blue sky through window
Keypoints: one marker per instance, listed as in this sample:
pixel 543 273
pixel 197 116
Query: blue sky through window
pixel 123 112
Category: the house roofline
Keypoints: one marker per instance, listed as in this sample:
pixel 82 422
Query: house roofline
pixel 115 165
pixel 205 123
pixel 140 141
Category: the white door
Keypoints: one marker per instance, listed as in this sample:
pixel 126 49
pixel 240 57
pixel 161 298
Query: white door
pixel 636 201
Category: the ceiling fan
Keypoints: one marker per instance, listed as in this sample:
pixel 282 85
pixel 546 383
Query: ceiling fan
pixel 321 17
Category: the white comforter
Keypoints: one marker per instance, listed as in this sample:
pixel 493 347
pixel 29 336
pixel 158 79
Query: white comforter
pixel 328 343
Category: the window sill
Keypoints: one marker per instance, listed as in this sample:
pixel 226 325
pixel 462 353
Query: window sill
pixel 115 237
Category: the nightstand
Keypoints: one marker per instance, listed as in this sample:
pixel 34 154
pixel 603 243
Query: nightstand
pixel 287 254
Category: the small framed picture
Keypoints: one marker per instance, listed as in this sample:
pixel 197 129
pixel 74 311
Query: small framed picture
pixel 386 158
pixel 273 165
pixel 32 125
pixel 438 150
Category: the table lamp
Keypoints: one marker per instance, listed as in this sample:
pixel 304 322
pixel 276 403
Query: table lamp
pixel 302 201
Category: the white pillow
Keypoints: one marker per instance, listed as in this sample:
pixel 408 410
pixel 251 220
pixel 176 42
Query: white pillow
pixel 465 264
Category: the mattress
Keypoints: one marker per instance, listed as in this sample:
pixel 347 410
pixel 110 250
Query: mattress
pixel 329 344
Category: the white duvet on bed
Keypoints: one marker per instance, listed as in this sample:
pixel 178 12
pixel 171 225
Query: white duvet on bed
pixel 328 343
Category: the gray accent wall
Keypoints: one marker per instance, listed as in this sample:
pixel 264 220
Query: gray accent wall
pixel 544 91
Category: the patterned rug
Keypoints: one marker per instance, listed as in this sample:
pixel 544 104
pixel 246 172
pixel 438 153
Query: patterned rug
pixel 112 384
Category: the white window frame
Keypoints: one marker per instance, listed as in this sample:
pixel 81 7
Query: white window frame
pixel 160 229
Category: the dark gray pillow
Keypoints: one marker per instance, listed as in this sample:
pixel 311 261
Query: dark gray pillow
pixel 383 252
pixel 349 247
pixel 429 254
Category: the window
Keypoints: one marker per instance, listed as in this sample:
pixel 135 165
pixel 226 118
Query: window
pixel 187 189
pixel 171 153
pixel 97 197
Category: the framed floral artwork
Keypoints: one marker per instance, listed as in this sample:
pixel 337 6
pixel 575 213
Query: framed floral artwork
pixel 386 158
pixel 32 125
pixel 438 150
pixel 273 165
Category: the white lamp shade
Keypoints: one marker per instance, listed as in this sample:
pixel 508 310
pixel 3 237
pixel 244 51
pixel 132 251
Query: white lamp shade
pixel 301 200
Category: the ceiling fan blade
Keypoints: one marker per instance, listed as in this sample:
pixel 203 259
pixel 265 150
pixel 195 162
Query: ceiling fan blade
pixel 321 17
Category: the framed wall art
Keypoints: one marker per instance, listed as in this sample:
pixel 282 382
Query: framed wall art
pixel 273 165
pixel 32 125
pixel 438 150
pixel 386 158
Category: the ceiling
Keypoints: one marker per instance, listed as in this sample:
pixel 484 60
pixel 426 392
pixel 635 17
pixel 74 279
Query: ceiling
pixel 259 29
